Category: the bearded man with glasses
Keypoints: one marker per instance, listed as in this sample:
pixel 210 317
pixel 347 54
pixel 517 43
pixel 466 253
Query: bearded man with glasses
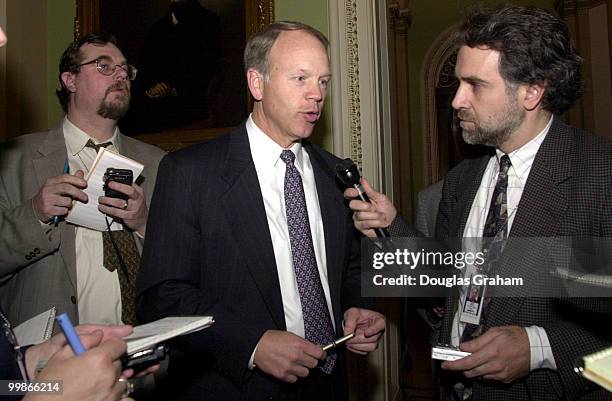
pixel 45 261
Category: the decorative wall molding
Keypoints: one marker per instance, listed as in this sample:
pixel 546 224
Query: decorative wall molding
pixel 400 18
pixel 87 17
pixel 352 57
pixel 259 13
pixel 357 119
pixel 437 68
pixel 359 123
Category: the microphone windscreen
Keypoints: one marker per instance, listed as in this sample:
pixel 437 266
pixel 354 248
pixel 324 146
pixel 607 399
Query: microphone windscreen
pixel 347 173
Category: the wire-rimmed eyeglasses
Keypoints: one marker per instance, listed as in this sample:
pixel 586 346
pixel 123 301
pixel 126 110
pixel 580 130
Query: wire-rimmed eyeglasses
pixel 106 67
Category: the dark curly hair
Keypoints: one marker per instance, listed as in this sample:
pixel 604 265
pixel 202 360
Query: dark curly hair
pixel 535 48
pixel 72 57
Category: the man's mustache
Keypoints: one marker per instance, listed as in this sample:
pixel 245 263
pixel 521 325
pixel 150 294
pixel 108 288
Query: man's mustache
pixel 464 115
pixel 118 85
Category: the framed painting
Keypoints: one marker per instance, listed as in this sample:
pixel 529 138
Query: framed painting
pixel 190 85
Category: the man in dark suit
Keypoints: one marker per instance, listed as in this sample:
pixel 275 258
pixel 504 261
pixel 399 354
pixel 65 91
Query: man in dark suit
pixel 517 69
pixel 238 223
pixel 45 261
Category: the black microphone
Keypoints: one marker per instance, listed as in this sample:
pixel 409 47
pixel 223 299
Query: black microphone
pixel 348 174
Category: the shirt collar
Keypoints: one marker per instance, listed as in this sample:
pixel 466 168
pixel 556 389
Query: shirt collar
pixel 266 152
pixel 523 157
pixel 76 138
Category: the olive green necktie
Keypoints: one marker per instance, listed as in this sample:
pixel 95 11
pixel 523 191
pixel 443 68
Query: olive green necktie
pixel 122 252
pixel 127 251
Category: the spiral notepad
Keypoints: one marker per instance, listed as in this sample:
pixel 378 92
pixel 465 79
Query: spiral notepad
pixel 37 329
pixel 597 367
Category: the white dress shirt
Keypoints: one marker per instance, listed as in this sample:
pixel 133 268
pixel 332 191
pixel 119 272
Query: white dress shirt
pixel 271 176
pixel 98 290
pixel 522 160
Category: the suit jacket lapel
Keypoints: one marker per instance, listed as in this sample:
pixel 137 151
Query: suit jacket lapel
pixel 245 211
pixel 536 215
pixel 333 214
pixel 50 164
pixel 129 149
pixel 466 198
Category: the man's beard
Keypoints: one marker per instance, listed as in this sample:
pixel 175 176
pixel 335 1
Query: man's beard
pixel 496 132
pixel 117 109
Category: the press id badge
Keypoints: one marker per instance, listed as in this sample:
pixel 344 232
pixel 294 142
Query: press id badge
pixel 472 306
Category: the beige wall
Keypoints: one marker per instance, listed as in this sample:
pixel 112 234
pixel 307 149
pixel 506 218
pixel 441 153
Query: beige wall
pixel 60 32
pixel 38 31
pixel 312 12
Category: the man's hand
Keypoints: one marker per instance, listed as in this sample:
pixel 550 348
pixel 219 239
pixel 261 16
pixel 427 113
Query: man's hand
pixel 367 326
pixel 501 353
pixel 56 195
pixel 286 356
pixel 368 216
pixel 133 212
pixel 44 351
pixel 91 376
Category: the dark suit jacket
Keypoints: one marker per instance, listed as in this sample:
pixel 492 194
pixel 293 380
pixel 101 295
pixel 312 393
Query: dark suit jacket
pixel 9 370
pixel 208 251
pixel 428 201
pixel 567 194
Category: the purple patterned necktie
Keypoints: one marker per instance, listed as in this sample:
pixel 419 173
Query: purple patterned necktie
pixel 317 322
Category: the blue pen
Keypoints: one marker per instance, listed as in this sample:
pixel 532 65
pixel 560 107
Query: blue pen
pixel 70 333
pixel 56 219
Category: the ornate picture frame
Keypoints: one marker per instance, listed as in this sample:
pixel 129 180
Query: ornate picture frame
pixel 232 101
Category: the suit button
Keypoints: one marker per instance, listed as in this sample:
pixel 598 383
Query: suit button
pixel 73 299
pixel 36 251
pixel 28 257
pixel 32 255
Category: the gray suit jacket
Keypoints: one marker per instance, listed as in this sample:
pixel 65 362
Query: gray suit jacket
pixel 428 201
pixel 38 263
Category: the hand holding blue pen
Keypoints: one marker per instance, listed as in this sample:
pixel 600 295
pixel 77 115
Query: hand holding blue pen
pixel 71 334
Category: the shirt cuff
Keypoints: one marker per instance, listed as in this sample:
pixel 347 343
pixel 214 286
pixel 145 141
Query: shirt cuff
pixel 252 359
pixel 541 353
